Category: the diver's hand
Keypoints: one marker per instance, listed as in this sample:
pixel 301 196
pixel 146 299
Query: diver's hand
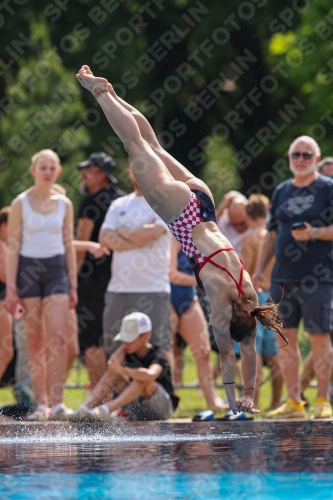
pixel 245 404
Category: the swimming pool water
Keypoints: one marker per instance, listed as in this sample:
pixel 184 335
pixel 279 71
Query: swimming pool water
pixel 171 486
pixel 156 460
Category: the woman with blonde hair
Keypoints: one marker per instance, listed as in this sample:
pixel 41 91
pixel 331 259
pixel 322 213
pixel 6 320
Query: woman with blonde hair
pixel 186 204
pixel 41 277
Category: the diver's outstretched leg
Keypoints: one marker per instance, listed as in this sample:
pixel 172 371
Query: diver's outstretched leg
pixel 167 196
pixel 176 169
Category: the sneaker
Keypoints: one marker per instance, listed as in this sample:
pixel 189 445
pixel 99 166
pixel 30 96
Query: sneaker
pixel 102 414
pixel 82 414
pixel 289 409
pixel 41 413
pixel 60 412
pixel 322 409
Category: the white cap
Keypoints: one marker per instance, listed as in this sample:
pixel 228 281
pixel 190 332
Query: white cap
pixel 132 326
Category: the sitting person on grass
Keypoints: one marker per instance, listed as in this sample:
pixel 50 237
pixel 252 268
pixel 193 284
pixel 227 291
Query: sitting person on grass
pixel 138 379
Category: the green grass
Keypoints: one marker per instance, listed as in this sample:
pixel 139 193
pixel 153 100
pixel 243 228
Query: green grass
pixel 191 400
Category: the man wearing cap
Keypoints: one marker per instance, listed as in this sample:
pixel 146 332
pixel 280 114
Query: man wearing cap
pixel 140 242
pixel 98 180
pixel 138 377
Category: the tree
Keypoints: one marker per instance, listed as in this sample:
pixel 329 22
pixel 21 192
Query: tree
pixel 43 110
pixel 210 76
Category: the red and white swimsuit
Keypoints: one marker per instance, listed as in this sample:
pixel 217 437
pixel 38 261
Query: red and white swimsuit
pixel 200 208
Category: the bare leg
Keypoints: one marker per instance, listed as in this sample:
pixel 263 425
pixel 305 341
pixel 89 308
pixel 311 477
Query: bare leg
pixel 36 348
pixel 179 363
pixel 322 361
pixel 164 194
pixel 71 336
pixel 95 361
pixel 108 383
pixel 308 372
pixel 289 359
pixel 171 359
pixel 55 310
pixel 177 351
pixel 131 393
pixel 6 339
pixel 258 379
pixel 193 328
pixel 277 380
pixel 176 169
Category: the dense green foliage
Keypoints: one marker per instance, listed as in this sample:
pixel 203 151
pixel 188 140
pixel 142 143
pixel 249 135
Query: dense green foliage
pixel 227 85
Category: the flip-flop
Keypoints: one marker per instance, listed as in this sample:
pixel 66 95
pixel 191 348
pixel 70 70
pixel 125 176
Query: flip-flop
pixel 230 416
pixel 203 416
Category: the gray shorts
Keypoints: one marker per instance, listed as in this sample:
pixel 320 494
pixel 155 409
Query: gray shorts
pixel 157 407
pixel 314 305
pixel 42 277
pixel 155 305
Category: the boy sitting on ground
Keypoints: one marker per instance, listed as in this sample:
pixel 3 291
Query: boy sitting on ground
pixel 138 378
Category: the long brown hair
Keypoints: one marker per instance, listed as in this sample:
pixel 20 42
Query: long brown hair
pixel 244 319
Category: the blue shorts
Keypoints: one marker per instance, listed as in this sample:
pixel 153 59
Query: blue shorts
pixel 266 343
pixel 313 304
pixel 182 298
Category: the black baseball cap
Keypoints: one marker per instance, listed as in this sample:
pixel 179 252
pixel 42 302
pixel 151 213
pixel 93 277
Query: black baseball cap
pixel 106 162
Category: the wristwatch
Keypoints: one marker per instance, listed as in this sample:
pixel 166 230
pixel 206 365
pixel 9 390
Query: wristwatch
pixel 314 234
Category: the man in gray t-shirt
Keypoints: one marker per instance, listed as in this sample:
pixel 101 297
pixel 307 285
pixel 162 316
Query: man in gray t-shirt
pixel 300 234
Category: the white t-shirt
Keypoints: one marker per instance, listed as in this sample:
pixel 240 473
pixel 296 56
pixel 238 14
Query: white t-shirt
pixel 143 269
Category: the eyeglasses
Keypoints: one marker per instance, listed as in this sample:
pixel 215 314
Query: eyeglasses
pixel 305 156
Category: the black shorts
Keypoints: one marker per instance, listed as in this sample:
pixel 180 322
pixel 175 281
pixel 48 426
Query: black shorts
pixel 42 277
pixel 89 311
pixel 313 304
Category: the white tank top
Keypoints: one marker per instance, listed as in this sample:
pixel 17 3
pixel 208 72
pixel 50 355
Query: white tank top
pixel 42 234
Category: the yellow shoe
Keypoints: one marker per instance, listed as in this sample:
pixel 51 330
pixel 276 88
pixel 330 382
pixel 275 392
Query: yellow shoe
pixel 289 409
pixel 322 408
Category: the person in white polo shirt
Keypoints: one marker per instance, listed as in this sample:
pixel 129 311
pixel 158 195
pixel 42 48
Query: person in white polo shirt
pixel 140 242
pixel 138 378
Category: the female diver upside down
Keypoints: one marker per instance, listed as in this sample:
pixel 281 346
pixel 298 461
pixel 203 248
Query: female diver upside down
pixel 185 203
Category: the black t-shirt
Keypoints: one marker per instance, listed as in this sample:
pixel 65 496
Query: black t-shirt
pixel 94 208
pixel 297 261
pixel 155 356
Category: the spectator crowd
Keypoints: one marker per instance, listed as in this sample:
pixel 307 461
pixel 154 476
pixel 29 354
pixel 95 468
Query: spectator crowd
pixel 121 294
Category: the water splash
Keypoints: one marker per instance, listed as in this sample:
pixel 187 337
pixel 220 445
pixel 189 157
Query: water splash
pixel 133 438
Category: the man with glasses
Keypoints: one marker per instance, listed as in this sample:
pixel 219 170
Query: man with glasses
pixel 97 173
pixel 300 234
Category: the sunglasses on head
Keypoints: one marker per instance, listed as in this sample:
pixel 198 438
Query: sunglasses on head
pixel 306 156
